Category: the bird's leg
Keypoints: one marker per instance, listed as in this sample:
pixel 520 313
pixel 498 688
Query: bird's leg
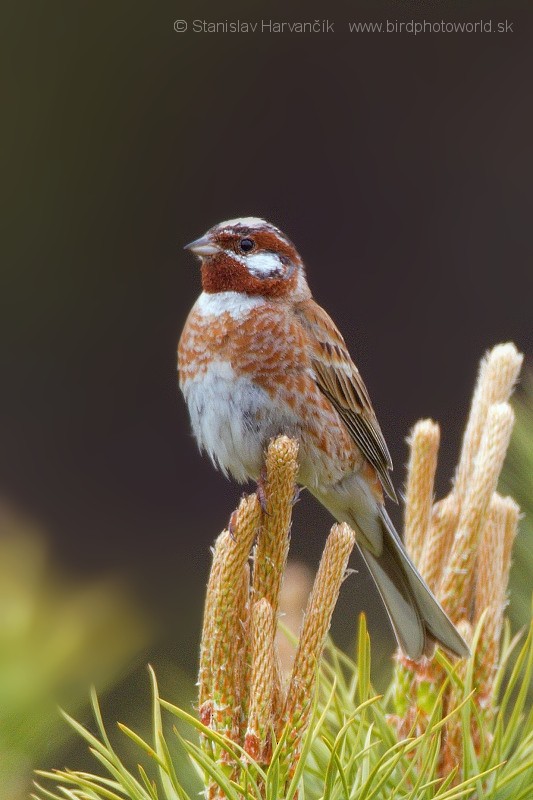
pixel 261 490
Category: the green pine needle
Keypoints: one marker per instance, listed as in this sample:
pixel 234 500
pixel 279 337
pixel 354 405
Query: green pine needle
pixel 350 751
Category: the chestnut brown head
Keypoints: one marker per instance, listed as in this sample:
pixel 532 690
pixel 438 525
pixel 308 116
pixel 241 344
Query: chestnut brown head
pixel 248 255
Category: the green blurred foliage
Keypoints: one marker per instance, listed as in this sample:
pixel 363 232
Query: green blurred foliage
pixel 57 636
pixel 517 480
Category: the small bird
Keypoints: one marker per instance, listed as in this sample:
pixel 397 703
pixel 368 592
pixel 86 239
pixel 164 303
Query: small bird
pixel 259 358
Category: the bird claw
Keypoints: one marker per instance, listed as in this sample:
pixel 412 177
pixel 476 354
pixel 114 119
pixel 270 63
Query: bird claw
pixel 232 525
pixel 296 495
pixel 261 492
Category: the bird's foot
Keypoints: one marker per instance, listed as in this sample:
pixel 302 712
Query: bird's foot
pixel 232 525
pixel 261 491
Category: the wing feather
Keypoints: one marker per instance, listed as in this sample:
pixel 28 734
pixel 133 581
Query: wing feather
pixel 339 379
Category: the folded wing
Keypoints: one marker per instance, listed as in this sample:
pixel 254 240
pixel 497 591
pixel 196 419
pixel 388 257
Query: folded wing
pixel 340 381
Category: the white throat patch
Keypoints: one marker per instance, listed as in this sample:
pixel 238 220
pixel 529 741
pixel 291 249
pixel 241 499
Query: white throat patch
pixel 237 304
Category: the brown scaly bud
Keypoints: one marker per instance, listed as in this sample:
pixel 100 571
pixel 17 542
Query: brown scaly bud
pixel 424 447
pixel 497 376
pixel 511 529
pixel 278 695
pixel 241 668
pixel 227 626
pixel 205 675
pixel 297 583
pixel 442 527
pixel 316 624
pixel 490 592
pixel 466 562
pixel 257 741
pixel 490 559
pixel 457 581
pixel 272 547
pixel 451 753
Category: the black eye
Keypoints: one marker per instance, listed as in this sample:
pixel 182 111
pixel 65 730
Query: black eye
pixel 246 245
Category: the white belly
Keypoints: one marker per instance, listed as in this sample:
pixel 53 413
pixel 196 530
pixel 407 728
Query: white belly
pixel 233 419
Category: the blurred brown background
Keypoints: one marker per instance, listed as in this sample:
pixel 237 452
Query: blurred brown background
pixel 401 167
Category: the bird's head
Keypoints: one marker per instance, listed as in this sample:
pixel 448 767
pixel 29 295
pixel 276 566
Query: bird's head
pixel 252 256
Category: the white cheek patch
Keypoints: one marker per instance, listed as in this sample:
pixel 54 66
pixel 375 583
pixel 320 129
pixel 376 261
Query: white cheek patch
pixel 265 265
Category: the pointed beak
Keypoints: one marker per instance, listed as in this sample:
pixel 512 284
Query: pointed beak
pixel 204 246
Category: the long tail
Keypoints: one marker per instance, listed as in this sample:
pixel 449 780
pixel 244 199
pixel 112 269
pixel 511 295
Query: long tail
pixel 418 619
